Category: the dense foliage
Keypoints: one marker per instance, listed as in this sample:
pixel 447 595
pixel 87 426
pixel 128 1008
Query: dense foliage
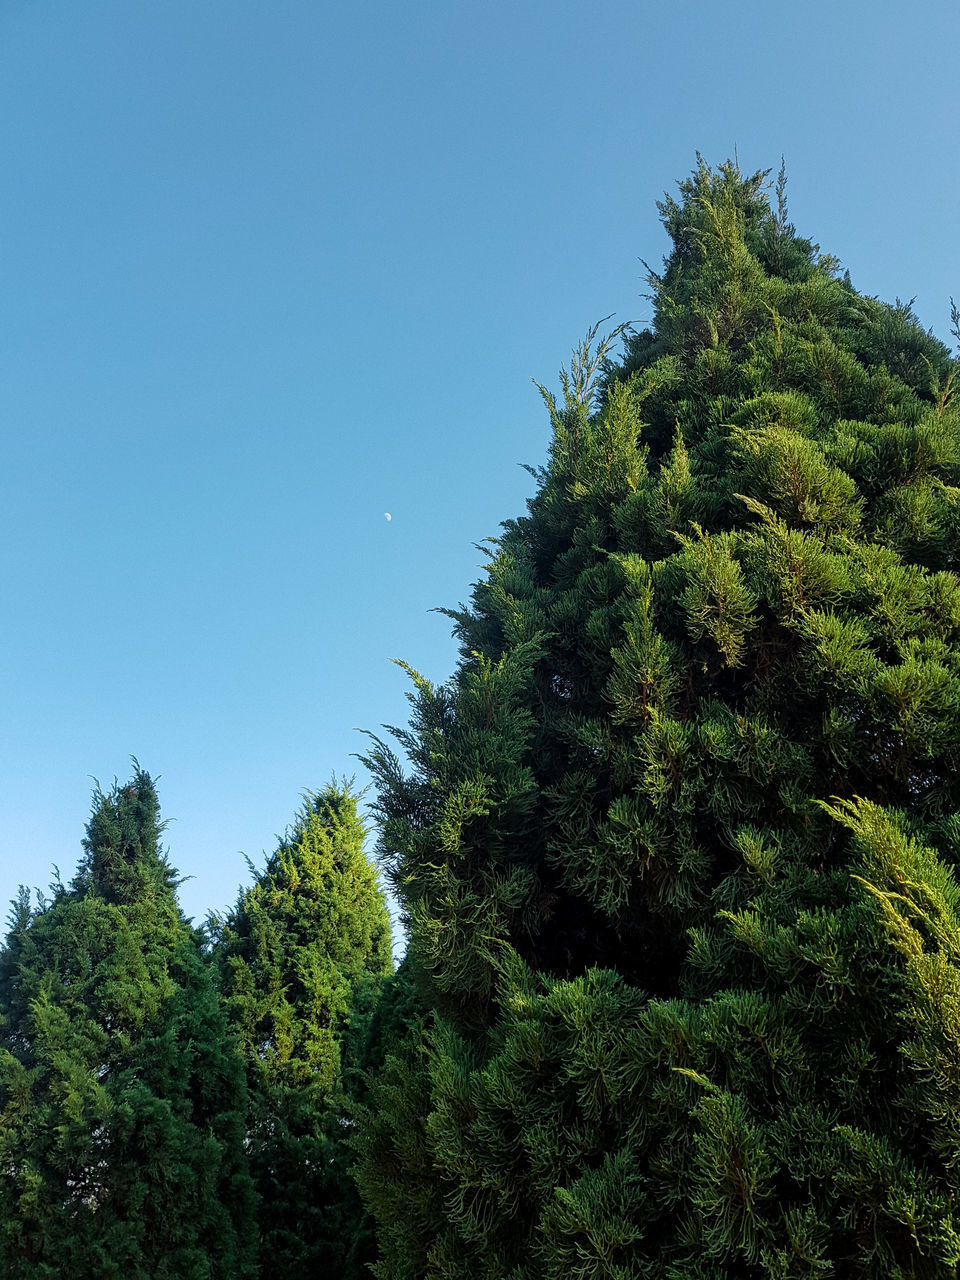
pixel 121 1095
pixel 677 848
pixel 301 960
pixel 677 844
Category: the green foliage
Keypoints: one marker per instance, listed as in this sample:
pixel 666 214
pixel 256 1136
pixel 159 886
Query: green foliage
pixel 394 1169
pixel 121 1096
pixel 301 960
pixel 677 844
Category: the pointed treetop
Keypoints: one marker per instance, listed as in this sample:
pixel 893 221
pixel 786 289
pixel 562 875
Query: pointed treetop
pixel 122 845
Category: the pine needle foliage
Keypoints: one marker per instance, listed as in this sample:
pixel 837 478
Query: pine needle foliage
pixel 121 1095
pixel 678 844
pixel 301 959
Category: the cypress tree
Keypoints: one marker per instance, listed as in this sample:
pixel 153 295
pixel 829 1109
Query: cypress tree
pixel 386 1059
pixel 301 959
pixel 121 1095
pixel 677 845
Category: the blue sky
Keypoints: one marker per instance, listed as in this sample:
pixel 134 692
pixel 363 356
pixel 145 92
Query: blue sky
pixel 271 270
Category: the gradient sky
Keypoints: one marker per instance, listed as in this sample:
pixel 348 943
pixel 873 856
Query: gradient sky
pixel 271 270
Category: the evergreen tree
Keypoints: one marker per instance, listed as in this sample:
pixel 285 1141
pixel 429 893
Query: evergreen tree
pixel 398 1016
pixel 301 959
pixel 121 1095
pixel 677 845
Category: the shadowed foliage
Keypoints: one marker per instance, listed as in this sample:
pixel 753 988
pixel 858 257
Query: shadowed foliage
pixel 121 1095
pixel 677 845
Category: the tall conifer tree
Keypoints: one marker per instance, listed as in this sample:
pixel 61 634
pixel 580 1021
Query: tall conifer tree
pixel 121 1095
pixel 678 844
pixel 301 960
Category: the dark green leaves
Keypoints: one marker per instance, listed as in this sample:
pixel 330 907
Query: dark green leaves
pixel 121 1098
pixel 678 840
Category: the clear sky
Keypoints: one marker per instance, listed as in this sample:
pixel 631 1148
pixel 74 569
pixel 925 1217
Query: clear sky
pixel 272 270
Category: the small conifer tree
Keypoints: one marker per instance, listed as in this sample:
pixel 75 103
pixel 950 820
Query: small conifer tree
pixel 121 1095
pixel 301 960
pixel 678 845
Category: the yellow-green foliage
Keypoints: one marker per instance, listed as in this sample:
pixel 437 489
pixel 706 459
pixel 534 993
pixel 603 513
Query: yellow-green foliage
pixel 301 959
pixel 678 841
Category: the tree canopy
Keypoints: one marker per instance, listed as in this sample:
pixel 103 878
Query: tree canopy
pixel 677 844
pixel 677 848
pixel 301 960
pixel 121 1094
